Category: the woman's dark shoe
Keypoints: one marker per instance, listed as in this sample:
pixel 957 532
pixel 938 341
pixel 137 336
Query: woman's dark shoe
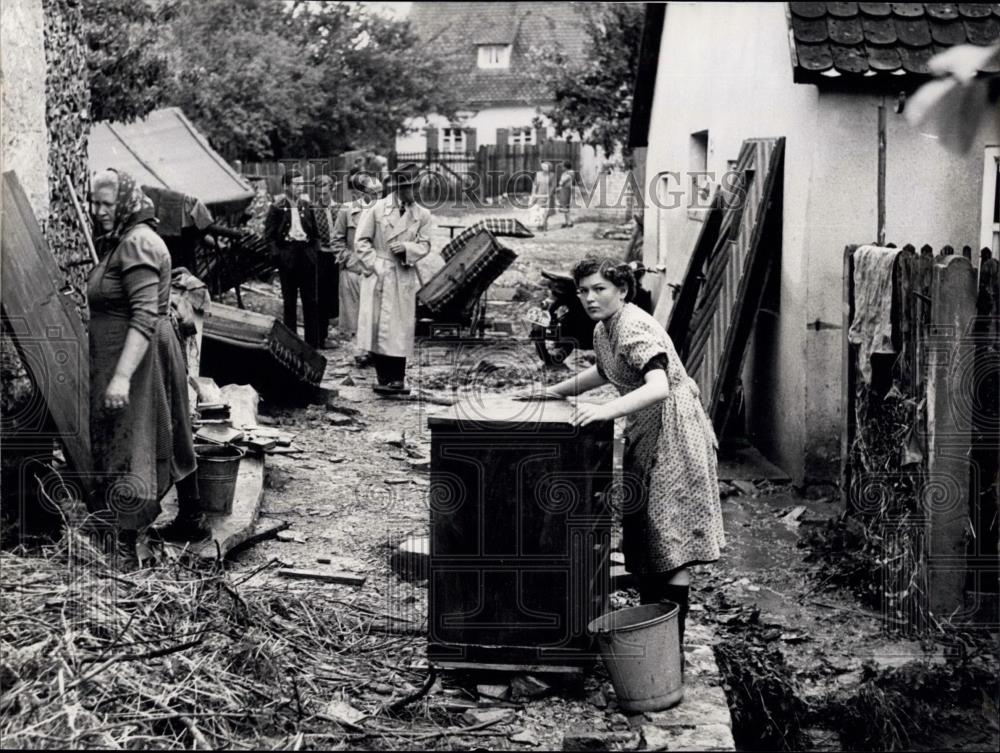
pixel 185 528
pixel 392 388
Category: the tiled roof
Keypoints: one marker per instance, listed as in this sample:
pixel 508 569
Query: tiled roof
pixel 883 41
pixel 457 28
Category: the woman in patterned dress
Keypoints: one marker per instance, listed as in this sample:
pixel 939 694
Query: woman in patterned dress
pixel 672 517
pixel 140 422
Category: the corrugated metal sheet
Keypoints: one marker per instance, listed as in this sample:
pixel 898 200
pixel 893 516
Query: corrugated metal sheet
pixel 165 150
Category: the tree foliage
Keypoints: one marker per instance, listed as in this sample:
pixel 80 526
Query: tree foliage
pixel 128 78
pixel 593 99
pixel 264 79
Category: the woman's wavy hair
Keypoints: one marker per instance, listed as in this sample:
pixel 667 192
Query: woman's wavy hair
pixel 615 271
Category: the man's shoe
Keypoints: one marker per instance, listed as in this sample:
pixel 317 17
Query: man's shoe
pixel 185 528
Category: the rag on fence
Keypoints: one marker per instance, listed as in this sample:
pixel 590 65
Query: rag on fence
pixel 871 329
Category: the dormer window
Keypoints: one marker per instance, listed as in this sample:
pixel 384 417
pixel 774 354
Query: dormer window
pixel 494 55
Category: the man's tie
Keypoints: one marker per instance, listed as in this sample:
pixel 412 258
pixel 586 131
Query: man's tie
pixel 323 226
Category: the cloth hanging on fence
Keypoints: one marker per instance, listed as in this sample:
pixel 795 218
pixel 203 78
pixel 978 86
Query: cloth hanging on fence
pixel 177 211
pixel 871 328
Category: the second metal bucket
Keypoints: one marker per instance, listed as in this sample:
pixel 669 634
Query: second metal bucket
pixel 218 469
pixel 639 646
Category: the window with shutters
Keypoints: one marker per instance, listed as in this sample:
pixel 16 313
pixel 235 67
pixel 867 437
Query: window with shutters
pixel 494 55
pixel 522 136
pixel 452 140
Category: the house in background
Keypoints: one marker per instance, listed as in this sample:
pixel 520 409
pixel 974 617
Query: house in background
pixel 831 79
pixel 491 48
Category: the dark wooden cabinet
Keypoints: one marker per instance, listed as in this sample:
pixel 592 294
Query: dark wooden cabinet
pixel 520 533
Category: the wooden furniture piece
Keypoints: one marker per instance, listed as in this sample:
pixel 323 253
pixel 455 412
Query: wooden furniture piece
pixel 241 346
pixel 49 337
pixel 520 534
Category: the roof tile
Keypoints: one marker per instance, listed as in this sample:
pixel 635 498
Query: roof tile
pixel 814 30
pixel 875 9
pixel 915 59
pixel 982 30
pixel 942 11
pixel 815 57
pixel 883 58
pixel 913 31
pixel 809 10
pixel 975 10
pixel 849 59
pixel 908 10
pixel 948 32
pixel 862 39
pixel 880 30
pixel 842 10
pixel 455 28
pixel 845 30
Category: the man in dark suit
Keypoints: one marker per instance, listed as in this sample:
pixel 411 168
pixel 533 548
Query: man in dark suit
pixel 290 228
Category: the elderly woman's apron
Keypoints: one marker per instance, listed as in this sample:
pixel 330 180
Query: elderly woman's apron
pixel 671 511
pixel 140 451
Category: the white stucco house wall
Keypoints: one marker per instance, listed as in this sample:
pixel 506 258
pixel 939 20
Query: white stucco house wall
pixel 817 75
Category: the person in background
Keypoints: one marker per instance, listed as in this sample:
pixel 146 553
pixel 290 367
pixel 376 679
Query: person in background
pixel 363 191
pixel 670 445
pixel 328 271
pixel 390 238
pixel 140 419
pixel 291 231
pixel 564 192
pixel 542 200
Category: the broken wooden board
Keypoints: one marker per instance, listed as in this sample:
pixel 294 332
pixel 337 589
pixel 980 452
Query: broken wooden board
pixel 326 576
pixel 47 332
pixel 239 527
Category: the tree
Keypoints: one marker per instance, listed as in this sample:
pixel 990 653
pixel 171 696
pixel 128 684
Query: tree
pixel 127 78
pixel 376 74
pixel 270 79
pixel 594 98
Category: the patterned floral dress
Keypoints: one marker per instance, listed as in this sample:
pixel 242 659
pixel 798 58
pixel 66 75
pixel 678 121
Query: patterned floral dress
pixel 671 511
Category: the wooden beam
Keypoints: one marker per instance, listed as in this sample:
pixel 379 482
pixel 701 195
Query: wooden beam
pixel 945 494
pixel 881 172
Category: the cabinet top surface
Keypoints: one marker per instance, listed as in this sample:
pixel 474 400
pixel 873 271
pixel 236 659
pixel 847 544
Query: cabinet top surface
pixel 501 412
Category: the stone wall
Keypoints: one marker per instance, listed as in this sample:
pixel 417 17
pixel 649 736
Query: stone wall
pixel 22 105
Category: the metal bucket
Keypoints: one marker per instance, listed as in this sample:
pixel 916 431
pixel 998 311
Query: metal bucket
pixel 218 467
pixel 640 648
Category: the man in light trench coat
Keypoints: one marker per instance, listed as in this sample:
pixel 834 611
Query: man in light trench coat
pixel 390 238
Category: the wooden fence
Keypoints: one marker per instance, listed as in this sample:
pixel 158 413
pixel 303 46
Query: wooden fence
pixel 492 171
pixel 910 474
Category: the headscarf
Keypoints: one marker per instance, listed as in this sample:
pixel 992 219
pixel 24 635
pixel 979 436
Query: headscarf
pixel 132 207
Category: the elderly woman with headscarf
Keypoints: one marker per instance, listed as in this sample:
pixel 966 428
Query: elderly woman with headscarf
pixel 140 419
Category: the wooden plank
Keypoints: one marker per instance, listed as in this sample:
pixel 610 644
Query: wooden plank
pixel 498 667
pixel 326 576
pixel 764 241
pixel 679 321
pixel 949 421
pixel 848 418
pixel 45 328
